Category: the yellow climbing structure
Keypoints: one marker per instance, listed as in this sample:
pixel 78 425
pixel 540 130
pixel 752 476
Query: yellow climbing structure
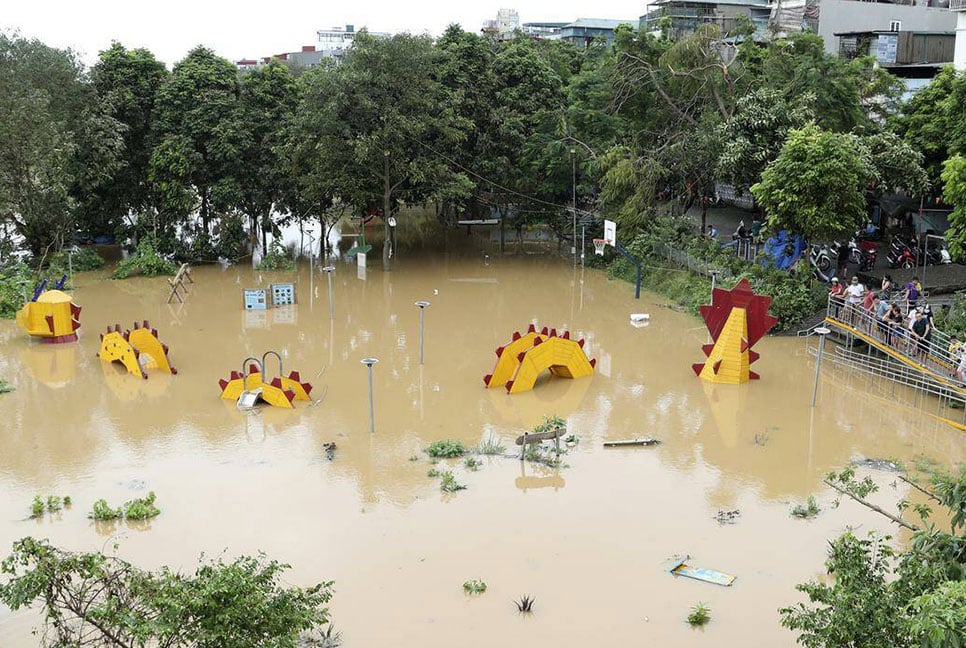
pixel 137 349
pixel 729 360
pixel 521 362
pixel 52 317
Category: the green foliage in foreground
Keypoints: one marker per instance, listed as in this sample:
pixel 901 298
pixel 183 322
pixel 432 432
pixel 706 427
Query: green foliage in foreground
pixel 52 504
pixel 878 597
pixel 15 279
pixel 549 423
pixel 700 615
pixel 93 599
pixel 447 449
pixel 146 261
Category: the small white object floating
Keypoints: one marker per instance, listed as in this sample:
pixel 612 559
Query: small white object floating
pixel 640 317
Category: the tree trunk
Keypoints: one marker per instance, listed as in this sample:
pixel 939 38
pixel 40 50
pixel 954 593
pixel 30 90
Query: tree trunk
pixel 502 231
pixel 704 215
pixel 386 195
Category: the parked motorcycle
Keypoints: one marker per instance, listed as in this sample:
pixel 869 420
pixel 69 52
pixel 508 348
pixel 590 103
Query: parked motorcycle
pixel 820 257
pixel 903 254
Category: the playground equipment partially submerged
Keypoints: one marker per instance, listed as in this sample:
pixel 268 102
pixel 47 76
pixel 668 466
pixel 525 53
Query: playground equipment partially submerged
pixel 50 315
pixel 736 319
pixel 521 362
pixel 137 349
pixel 247 389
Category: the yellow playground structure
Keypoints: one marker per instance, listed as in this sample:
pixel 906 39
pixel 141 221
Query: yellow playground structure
pixel 247 389
pixel 51 316
pixel 137 349
pixel 521 362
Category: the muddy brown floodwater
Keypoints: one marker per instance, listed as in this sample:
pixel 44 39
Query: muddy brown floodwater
pixel 588 540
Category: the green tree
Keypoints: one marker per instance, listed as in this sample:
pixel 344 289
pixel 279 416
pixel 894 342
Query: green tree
pixel 380 125
pixel 53 141
pixel 924 123
pixel 199 118
pixel 954 192
pixel 815 185
pixel 127 84
pixel 91 599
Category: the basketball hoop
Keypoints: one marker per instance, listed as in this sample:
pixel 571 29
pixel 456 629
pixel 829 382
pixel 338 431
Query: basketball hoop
pixel 599 245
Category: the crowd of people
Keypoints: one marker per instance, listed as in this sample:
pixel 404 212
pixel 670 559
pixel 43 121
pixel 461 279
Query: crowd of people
pixel 897 316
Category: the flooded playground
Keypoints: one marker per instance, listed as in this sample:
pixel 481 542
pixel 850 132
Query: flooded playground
pixel 589 539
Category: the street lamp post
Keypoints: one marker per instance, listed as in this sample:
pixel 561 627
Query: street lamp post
pixel 328 272
pixel 822 332
pixel 573 183
pixel 422 309
pixel 372 412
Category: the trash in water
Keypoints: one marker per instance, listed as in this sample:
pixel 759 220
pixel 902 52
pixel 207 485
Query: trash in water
pixel 646 441
pixel 681 568
pixel 329 450
pixel 877 464
pixel 727 517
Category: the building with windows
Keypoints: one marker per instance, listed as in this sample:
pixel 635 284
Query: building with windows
pixel 584 31
pixel 958 8
pixel 506 23
pixel 331 44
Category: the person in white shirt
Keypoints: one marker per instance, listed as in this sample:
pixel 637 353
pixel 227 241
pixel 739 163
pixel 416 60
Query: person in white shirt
pixel 854 294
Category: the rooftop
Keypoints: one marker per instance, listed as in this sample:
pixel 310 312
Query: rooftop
pixel 599 23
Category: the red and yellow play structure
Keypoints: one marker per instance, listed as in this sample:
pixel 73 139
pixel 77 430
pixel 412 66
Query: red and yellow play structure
pixel 736 319
pixel 52 317
pixel 528 355
pixel 280 391
pixel 137 349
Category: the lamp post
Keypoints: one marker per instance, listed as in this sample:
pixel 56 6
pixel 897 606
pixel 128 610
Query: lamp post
pixel 822 332
pixel 573 184
pixel 372 413
pixel 328 272
pixel 422 309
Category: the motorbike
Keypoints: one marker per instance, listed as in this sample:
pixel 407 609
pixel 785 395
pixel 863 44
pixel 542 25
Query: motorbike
pixel 902 254
pixel 937 255
pixel 820 258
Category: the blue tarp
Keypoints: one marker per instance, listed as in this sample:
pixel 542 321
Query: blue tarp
pixel 784 249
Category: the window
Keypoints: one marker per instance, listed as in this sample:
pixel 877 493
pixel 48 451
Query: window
pixel 895 25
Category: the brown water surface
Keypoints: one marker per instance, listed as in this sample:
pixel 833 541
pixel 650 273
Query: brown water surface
pixel 588 540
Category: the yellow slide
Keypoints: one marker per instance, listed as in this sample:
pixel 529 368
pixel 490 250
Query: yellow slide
pixel 137 349
pixel 280 392
pixel 507 361
pixel 53 317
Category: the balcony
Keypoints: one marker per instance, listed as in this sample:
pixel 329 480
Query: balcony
pixel 957 5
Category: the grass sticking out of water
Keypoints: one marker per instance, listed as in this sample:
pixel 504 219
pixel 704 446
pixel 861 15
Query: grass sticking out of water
pixel 492 446
pixel 700 615
pixel 472 464
pixel 474 586
pixel 448 483
pixel 806 511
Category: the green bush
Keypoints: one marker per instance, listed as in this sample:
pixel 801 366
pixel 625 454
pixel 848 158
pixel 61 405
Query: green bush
pixel 277 258
pixel 14 281
pixel 83 260
pixel 5 387
pixel 446 449
pixel 145 261
pixel 104 512
pixel 141 508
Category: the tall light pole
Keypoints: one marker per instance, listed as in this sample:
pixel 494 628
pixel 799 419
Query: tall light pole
pixel 422 309
pixel 573 184
pixel 822 332
pixel 372 412
pixel 328 272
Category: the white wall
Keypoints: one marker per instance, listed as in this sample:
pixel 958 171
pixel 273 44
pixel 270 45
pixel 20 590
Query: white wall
pixel 959 55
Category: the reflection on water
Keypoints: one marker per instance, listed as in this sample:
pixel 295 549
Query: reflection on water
pixel 586 539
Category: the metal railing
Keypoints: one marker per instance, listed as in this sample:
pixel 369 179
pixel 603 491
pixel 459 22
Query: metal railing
pixel 957 5
pixel 932 356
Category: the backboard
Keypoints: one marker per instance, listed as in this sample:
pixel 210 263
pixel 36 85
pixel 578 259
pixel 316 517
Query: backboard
pixel 610 232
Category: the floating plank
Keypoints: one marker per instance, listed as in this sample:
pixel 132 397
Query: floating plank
pixel 702 574
pixel 536 437
pixel 646 441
